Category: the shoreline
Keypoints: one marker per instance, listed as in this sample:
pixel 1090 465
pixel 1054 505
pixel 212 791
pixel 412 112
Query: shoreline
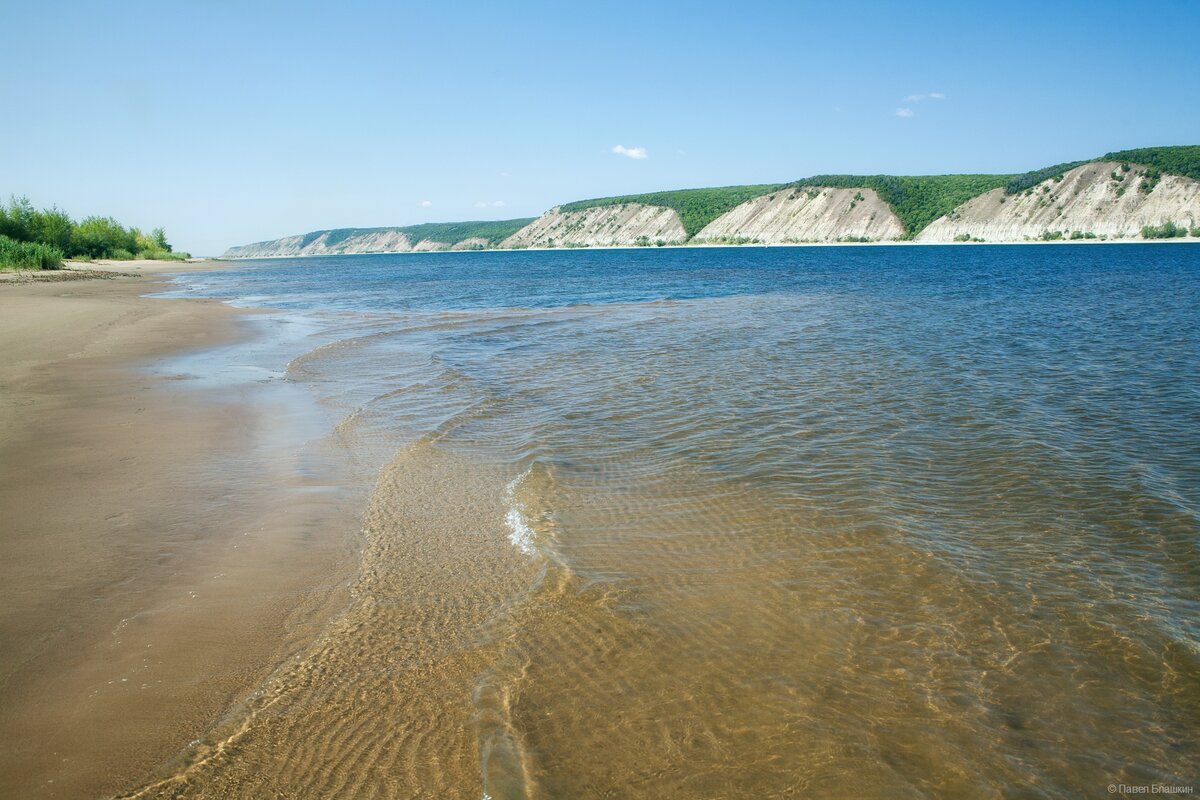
pixel 161 553
pixel 1055 242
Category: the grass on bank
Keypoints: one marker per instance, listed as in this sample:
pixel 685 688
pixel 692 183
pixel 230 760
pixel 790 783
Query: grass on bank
pixel 56 232
pixel 696 207
pixel 28 255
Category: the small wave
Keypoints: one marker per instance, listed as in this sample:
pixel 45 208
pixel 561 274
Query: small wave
pixel 519 531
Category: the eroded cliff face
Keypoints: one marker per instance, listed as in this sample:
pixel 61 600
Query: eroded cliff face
pixel 1103 199
pixel 327 244
pixel 606 226
pixel 806 214
pixel 472 243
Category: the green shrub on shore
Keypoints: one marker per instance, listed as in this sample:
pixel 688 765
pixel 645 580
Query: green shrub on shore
pixel 732 240
pixel 94 237
pixel 1168 230
pixel 28 255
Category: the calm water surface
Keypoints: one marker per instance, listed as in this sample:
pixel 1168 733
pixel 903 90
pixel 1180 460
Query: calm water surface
pixel 705 523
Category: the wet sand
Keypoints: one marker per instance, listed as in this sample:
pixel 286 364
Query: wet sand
pixel 160 552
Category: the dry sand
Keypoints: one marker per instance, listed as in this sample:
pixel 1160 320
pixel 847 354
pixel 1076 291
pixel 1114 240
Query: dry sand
pixel 160 552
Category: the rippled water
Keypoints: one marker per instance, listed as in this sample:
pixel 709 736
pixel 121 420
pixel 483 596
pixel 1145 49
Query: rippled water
pixel 844 522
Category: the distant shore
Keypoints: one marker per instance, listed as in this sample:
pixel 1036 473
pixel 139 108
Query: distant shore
pixel 903 243
pixel 151 573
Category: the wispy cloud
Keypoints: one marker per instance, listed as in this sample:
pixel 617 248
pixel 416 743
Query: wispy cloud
pixel 493 204
pixel 916 98
pixel 904 112
pixel 636 153
pixel 426 203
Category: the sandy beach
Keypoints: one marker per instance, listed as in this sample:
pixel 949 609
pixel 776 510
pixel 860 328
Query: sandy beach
pixel 159 552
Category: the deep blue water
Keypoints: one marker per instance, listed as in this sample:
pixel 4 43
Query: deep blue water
pixel 535 279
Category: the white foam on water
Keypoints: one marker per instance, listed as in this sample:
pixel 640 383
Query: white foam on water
pixel 519 532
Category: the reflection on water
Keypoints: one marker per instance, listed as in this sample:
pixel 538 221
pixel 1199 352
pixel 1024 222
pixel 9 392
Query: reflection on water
pixel 878 522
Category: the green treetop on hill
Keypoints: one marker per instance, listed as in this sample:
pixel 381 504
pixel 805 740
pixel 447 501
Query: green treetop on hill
pixel 917 199
pixel 696 207
pixel 1181 160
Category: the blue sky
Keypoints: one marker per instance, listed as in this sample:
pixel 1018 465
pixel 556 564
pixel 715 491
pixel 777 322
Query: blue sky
pixel 229 122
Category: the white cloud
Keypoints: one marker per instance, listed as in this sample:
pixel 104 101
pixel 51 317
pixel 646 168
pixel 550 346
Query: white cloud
pixel 636 153
pixel 493 204
pixel 503 174
pixel 916 98
pixel 904 112
pixel 426 203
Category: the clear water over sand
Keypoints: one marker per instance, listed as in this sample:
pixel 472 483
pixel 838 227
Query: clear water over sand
pixel 835 522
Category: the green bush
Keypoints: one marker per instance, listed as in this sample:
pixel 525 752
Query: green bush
pixel 28 255
pixel 1168 230
pixel 54 227
pixel 94 237
pixel 1150 179
pixel 102 237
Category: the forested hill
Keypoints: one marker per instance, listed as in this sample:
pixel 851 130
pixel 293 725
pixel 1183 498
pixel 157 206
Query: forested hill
pixel 1087 199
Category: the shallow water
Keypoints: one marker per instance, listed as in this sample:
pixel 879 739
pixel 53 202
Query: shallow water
pixel 860 522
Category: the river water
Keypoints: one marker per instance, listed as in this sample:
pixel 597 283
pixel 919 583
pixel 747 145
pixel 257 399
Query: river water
pixel 746 522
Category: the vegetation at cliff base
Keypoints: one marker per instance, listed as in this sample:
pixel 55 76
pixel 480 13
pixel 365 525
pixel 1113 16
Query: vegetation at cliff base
pixel 918 199
pixel 1168 230
pixel 1182 160
pixel 696 207
pixel 48 236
